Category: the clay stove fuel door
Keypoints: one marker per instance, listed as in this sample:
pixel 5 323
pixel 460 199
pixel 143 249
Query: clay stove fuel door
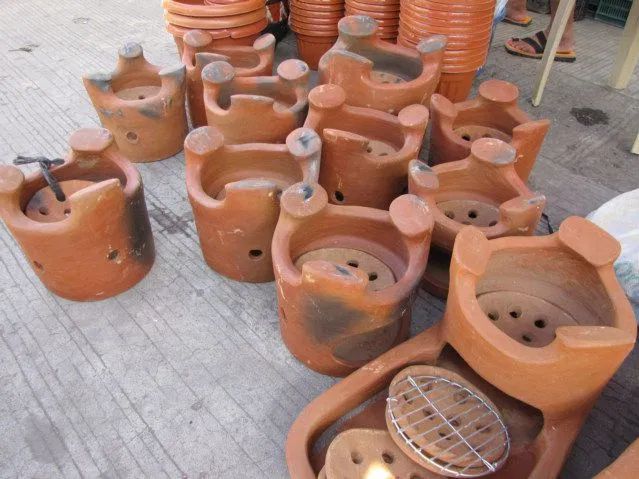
pixel 263 109
pixel 235 194
pixel 482 190
pixel 365 152
pixel 142 105
pixel 345 276
pixel 95 241
pixel 377 74
pixel 200 49
pixel 492 114
pixel 538 324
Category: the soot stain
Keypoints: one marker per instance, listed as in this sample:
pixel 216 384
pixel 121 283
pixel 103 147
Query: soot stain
pixel 590 116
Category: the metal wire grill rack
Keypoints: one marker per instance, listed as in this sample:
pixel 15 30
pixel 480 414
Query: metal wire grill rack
pixel 448 427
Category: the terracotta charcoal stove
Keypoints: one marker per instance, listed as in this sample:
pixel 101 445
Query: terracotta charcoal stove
pixel 200 49
pixel 256 109
pixel 483 190
pixel 345 276
pixel 520 310
pixel 364 143
pixel 493 114
pixel 90 239
pixel 378 74
pixel 235 190
pixel 143 105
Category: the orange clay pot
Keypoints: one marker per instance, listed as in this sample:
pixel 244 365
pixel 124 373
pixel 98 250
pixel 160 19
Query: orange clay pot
pixel 301 13
pixel 371 8
pixel 195 8
pixel 362 143
pixel 311 48
pixel 482 190
pixel 580 346
pixel 261 109
pixel 377 15
pixel 142 105
pixel 97 242
pixel 379 75
pixel 317 7
pixel 345 297
pixel 200 49
pixel 213 23
pixel 238 36
pixel 626 465
pixel 234 192
pixel 456 86
pixel 493 113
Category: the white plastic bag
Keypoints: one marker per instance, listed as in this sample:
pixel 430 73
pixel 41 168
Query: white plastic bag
pixel 620 218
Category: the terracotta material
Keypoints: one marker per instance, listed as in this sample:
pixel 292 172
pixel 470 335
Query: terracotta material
pixel 376 74
pixel 238 36
pixel 200 49
pixel 361 453
pixel 311 48
pixel 494 113
pixel 386 14
pixel 468 28
pixel 234 192
pixel 345 276
pixel 362 143
pixel 142 105
pixel 256 109
pixel 558 313
pixel 483 190
pixel 625 467
pixel 215 23
pixel 315 25
pixel 199 8
pixel 95 241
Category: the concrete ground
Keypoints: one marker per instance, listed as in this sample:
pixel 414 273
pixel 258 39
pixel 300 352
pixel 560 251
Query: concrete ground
pixel 185 375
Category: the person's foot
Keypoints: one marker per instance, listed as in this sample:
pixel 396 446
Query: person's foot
pixel 516 14
pixel 534 45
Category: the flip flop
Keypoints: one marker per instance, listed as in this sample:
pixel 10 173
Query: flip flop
pixel 538 42
pixel 520 23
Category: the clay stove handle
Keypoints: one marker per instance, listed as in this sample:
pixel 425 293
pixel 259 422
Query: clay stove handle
pixel 264 45
pixel 349 393
pixel 527 139
pixel 131 59
pixel 431 51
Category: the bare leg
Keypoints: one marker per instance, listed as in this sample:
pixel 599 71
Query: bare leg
pixel 567 42
pixel 516 10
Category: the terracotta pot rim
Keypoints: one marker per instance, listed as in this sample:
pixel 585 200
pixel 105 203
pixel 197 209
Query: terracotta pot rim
pixel 203 10
pixel 376 15
pixel 451 46
pixel 476 36
pixel 372 8
pixel 304 11
pixel 378 2
pixel 324 2
pixel 456 9
pixel 314 33
pixel 217 33
pixel 447 28
pixel 215 23
pixel 314 25
pixel 320 22
pixel 427 18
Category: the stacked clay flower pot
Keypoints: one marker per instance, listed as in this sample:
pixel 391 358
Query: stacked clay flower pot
pixel 385 12
pixel 229 22
pixel 468 26
pixel 315 25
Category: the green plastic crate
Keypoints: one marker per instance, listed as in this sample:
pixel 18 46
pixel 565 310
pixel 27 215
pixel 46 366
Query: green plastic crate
pixel 613 11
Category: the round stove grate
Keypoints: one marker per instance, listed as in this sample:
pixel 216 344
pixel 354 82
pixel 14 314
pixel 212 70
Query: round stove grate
pixel 445 424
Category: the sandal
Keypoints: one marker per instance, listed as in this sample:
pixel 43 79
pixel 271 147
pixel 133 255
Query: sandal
pixel 538 43
pixel 520 23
